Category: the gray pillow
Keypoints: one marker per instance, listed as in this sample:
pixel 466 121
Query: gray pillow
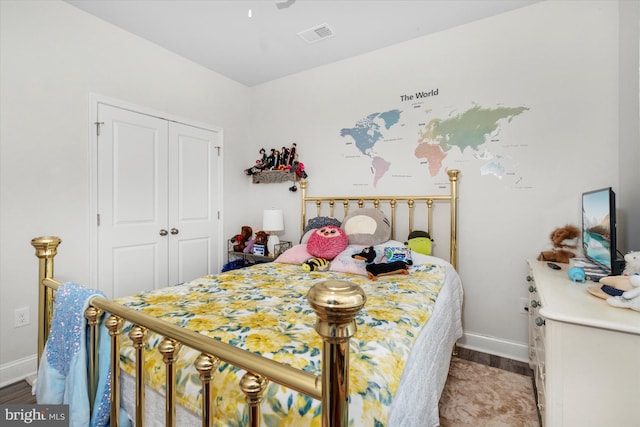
pixel 367 226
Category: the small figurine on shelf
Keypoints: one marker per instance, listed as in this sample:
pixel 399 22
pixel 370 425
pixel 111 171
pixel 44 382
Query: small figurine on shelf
pixel 298 168
pixel 284 157
pixel 292 154
pixel 259 165
pixel 271 160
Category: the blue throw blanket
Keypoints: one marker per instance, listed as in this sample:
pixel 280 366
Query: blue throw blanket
pixel 62 375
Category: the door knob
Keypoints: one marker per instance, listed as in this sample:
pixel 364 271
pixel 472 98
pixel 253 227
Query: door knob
pixel 174 231
pixel 163 232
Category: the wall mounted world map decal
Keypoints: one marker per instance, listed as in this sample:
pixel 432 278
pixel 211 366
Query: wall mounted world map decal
pixel 435 140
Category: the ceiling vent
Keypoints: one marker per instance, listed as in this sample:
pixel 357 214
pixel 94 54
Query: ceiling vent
pixel 316 33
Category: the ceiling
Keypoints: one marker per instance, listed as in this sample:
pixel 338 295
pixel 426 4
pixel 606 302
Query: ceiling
pixel 256 41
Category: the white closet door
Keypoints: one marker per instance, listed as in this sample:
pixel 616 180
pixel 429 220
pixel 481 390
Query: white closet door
pixel 132 202
pixel 193 199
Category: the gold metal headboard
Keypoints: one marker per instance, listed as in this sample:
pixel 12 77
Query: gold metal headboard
pixel 393 203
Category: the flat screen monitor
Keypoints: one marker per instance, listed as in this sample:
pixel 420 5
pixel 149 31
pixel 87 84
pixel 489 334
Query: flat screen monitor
pixel 599 228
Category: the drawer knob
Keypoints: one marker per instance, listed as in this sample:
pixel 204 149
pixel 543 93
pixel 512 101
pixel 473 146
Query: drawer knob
pixel 535 304
pixel 539 321
pixel 532 288
pixel 529 279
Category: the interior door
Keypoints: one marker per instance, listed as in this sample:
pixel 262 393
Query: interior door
pixel 193 198
pixel 132 202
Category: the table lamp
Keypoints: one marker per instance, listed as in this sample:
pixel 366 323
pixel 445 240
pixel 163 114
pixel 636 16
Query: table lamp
pixel 272 222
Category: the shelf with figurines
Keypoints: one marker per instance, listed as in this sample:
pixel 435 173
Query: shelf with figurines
pixel 277 166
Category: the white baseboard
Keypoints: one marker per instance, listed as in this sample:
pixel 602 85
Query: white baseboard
pixel 496 346
pixel 18 370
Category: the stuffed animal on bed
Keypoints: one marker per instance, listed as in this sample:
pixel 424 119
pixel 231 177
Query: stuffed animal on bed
pixel 420 242
pixel 315 264
pixel 327 242
pixel 367 226
pixel 565 242
pixel 374 270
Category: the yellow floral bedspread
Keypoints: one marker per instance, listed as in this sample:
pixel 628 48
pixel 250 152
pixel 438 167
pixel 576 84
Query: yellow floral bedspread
pixel 264 309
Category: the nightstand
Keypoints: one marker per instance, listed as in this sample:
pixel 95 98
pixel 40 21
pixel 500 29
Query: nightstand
pixel 250 259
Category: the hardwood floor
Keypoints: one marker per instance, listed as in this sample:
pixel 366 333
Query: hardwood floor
pixel 21 391
pixel 503 363
pixel 17 393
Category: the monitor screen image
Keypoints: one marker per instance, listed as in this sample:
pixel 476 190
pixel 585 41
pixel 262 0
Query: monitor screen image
pixel 598 227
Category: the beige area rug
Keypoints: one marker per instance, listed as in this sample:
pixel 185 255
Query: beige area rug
pixel 482 396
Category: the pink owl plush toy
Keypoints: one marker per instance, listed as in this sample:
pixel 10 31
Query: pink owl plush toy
pixel 327 242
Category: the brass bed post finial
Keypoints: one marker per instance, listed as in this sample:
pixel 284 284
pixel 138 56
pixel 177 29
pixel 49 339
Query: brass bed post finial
pixel 114 325
pixel 138 335
pixel 206 366
pixel 336 303
pixel 253 386
pixel 46 249
pixel 169 349
pixel 454 175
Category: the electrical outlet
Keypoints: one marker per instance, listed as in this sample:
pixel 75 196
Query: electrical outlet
pixel 524 305
pixel 21 317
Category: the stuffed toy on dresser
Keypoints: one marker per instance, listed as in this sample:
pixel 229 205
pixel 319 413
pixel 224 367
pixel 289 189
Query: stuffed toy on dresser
pixel 564 242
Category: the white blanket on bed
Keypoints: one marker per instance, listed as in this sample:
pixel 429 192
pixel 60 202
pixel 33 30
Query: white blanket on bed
pixel 419 383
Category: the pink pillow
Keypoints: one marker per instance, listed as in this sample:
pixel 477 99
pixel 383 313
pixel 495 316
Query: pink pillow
pixel 296 255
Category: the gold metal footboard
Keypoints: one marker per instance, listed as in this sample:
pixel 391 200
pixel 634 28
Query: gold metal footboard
pixel 336 304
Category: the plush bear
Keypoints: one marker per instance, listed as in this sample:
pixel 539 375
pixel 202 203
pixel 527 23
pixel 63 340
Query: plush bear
pixel 239 240
pixel 374 270
pixel 565 242
pixel 420 242
pixel 327 242
pixel 261 239
pixel 631 263
pixel 631 298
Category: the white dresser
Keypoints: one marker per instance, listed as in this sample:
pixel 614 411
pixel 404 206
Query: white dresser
pixel 585 353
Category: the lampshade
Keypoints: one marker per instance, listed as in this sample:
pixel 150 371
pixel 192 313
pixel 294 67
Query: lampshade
pixel 273 220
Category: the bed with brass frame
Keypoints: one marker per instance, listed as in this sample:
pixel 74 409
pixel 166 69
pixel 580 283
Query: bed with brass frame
pixel 336 303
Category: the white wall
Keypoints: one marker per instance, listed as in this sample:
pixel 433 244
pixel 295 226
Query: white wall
pixel 629 92
pixel 52 57
pixel 558 58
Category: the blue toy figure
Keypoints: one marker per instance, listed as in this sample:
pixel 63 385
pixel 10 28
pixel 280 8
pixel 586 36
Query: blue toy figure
pixel 576 274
